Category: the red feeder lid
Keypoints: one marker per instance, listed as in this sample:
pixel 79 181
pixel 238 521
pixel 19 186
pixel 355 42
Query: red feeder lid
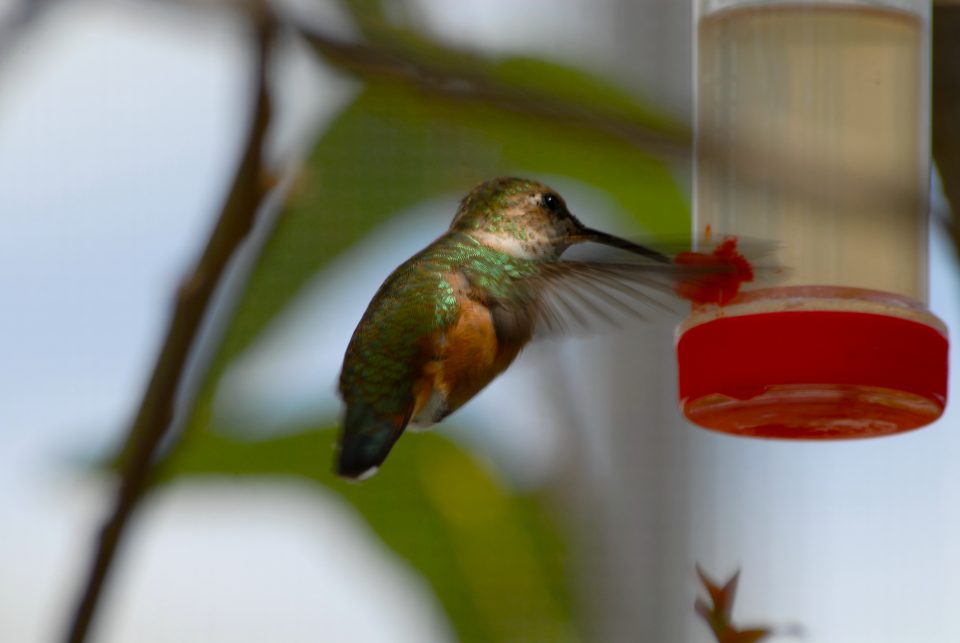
pixel 812 374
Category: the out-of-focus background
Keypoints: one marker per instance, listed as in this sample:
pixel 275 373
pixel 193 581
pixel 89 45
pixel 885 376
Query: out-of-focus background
pixel 568 502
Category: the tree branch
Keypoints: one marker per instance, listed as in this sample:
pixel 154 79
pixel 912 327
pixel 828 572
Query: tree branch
pixel 470 83
pixel 458 76
pixel 155 414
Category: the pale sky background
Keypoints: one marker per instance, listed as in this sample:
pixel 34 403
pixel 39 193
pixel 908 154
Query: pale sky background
pixel 108 178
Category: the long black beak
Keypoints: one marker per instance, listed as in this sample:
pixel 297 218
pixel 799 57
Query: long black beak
pixel 598 236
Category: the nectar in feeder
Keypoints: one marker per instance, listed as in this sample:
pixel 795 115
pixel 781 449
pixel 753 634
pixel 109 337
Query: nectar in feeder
pixel 812 131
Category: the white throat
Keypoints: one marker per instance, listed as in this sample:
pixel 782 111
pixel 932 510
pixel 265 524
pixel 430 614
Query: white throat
pixel 534 245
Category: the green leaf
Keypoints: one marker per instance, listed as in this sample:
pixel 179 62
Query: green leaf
pixel 491 558
pixel 393 148
pixel 494 560
pixel 381 155
pixel 575 88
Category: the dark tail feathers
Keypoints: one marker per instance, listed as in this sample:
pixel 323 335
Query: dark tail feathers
pixel 365 441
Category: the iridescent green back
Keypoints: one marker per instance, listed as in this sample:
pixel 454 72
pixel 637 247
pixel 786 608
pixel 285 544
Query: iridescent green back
pixel 388 347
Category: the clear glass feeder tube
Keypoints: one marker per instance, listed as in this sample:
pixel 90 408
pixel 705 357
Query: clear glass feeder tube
pixel 813 132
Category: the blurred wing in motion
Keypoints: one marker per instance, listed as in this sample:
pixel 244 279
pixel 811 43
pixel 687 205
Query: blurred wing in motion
pixel 607 289
pixel 576 297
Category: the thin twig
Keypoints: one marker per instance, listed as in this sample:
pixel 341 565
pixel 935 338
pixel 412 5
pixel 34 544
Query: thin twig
pixel 193 299
pixel 470 83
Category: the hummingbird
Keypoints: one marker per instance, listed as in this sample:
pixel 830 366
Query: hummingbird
pixel 451 318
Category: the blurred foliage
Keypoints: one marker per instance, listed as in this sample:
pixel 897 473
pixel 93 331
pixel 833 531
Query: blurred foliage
pixel 494 559
pixel 394 147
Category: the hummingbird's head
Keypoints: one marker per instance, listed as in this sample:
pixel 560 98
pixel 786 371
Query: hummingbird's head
pixel 524 218
pixel 520 217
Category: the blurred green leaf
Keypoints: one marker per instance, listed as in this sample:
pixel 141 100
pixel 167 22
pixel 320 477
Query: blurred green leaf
pixel 394 147
pixel 494 560
pixel 381 155
pixel 573 87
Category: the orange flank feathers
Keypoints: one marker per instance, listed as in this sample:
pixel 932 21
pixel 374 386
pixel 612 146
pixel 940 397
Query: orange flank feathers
pixel 465 357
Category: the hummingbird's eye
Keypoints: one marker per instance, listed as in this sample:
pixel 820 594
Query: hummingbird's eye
pixel 551 202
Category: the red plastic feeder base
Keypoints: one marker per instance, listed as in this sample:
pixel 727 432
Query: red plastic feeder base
pixel 812 374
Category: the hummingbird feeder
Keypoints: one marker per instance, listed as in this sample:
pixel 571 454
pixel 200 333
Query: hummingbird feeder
pixel 812 123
